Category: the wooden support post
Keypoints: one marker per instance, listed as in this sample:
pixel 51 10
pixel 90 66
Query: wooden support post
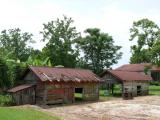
pixel 112 88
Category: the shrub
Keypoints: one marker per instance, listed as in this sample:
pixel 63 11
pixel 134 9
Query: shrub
pixel 5 100
pixel 157 83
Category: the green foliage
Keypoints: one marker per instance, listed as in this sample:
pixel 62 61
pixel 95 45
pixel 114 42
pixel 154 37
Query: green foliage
pixel 82 63
pixel 33 61
pixel 147 69
pixel 156 83
pixel 60 36
pixel 155 53
pixel 13 113
pixel 5 100
pixel 14 50
pixel 140 56
pixel 145 32
pixel 99 50
pixel 154 90
pixel 16 72
pixel 4 80
pixel 15 42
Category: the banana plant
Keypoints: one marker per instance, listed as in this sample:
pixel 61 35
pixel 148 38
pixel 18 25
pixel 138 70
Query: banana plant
pixel 38 62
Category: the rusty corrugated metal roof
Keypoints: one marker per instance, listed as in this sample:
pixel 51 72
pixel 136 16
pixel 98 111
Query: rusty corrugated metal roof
pixel 133 67
pixel 156 69
pixel 20 87
pixel 137 67
pixel 64 74
pixel 129 76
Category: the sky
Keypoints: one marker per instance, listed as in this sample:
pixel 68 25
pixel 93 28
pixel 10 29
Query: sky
pixel 114 17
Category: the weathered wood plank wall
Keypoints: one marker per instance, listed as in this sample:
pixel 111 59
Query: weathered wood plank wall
pixel 26 96
pixel 51 93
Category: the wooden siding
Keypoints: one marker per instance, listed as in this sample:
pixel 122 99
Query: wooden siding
pixel 52 93
pixel 108 78
pixel 91 92
pixel 131 86
pixel 26 96
pixel 64 93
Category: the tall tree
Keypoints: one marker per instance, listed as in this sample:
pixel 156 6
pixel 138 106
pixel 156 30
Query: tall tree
pixel 155 53
pixel 15 42
pixel 4 79
pixel 60 36
pixel 99 50
pixel 145 32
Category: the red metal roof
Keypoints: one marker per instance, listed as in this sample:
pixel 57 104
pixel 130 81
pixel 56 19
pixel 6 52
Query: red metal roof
pixel 64 74
pixel 156 69
pixel 133 67
pixel 129 76
pixel 20 87
pixel 137 67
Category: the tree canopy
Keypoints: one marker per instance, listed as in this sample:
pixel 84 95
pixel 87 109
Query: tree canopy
pixel 15 42
pixel 60 36
pixel 99 50
pixel 155 53
pixel 146 33
pixel 4 79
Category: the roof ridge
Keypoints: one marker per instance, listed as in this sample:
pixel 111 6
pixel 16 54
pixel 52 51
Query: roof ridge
pixel 60 68
pixel 84 74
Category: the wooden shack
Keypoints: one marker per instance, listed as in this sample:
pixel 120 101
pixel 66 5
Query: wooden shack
pixel 132 83
pixel 23 94
pixel 59 85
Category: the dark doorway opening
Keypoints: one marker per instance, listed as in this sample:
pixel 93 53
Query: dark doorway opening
pixel 78 94
pixel 139 90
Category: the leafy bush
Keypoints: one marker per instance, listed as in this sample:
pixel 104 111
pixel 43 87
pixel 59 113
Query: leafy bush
pixel 4 80
pixel 157 83
pixel 5 100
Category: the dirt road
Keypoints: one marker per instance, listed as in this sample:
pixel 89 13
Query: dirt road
pixel 141 108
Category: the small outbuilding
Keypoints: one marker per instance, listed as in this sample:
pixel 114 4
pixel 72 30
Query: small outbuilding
pixel 23 94
pixel 59 85
pixel 132 83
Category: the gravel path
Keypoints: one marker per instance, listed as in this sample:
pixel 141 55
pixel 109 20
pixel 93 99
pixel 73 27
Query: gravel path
pixel 141 108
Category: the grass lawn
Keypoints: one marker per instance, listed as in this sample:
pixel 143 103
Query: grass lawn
pixel 154 90
pixel 8 113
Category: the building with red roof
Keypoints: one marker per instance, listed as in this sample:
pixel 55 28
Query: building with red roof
pixel 151 70
pixel 56 85
pixel 131 77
